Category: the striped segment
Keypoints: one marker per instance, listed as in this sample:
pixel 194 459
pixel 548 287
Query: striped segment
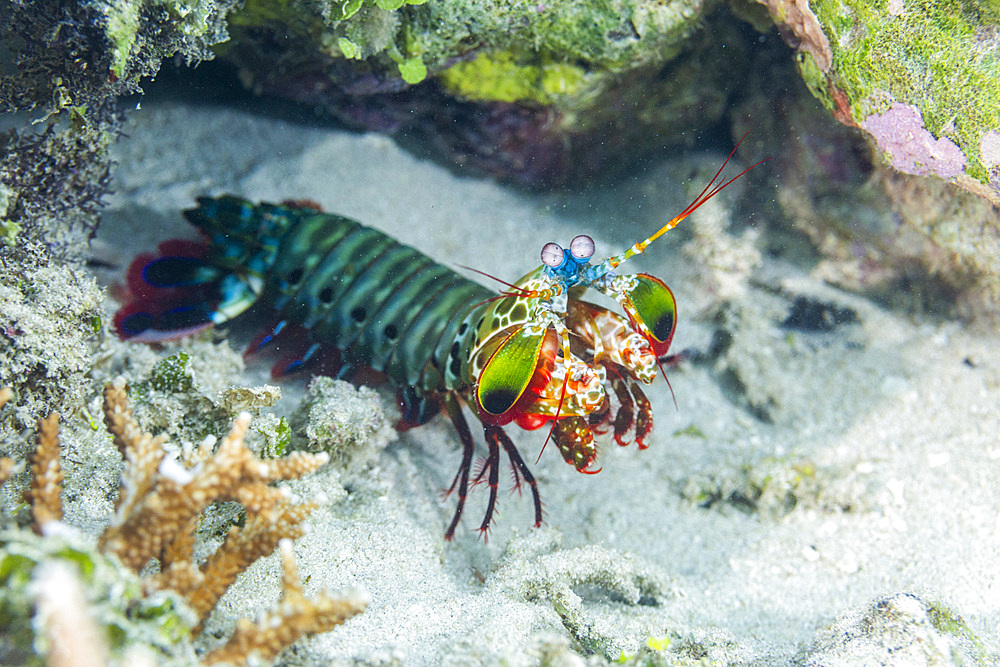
pixel 385 305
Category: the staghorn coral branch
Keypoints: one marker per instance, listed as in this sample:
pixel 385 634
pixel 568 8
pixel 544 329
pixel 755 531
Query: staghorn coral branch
pixel 163 499
pixel 181 576
pixel 258 498
pixel 294 616
pixel 180 548
pixel 166 499
pixel 47 476
pixel 293 466
pixel 118 417
pixel 6 463
pixel 242 547
pixel 142 452
pixel 7 466
pixel 158 510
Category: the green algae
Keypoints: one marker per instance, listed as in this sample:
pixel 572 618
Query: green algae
pixel 939 56
pixel 500 77
pixel 171 375
pixel 122 31
pixel 125 616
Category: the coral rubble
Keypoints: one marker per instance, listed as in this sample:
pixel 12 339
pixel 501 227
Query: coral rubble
pixel 344 421
pixel 897 630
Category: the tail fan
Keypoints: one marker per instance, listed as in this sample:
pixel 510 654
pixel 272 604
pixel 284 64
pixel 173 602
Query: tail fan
pixel 177 292
pixel 188 286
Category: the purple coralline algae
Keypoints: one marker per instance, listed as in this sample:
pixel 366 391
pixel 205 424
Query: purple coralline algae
pixel 910 147
pixel 989 153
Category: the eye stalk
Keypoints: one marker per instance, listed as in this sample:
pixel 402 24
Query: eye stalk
pixel 552 255
pixel 568 264
pixel 582 247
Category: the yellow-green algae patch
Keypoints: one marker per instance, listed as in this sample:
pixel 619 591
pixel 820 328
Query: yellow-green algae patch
pixel 499 77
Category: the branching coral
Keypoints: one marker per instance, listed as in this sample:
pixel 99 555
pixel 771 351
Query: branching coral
pixel 159 505
pixel 294 616
pixel 47 475
pixel 161 501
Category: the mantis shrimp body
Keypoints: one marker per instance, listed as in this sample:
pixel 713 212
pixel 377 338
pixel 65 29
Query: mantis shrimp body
pixel 347 296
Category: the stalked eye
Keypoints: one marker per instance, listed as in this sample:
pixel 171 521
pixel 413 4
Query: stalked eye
pixel 552 255
pixel 582 247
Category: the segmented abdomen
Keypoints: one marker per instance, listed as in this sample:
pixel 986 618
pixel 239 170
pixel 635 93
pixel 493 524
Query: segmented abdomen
pixel 385 305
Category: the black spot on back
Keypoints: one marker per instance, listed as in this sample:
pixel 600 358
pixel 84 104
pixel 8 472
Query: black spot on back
pixel 663 326
pixel 499 401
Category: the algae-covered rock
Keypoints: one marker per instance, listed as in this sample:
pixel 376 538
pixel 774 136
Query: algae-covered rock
pixel 346 421
pixel 918 243
pixel 50 319
pixel 52 185
pixel 919 76
pixel 539 93
pixel 74 56
pixel 901 630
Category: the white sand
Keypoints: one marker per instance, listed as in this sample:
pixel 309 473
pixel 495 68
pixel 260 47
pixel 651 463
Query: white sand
pixel 885 436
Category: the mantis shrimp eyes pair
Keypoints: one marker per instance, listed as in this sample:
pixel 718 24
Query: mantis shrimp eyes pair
pixel 581 249
pixel 343 296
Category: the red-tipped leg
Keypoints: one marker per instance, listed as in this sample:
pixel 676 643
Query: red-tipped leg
pixel 634 413
pixel 493 467
pixel 461 481
pixel 489 471
pixel 643 415
pixel 625 417
pixel 518 466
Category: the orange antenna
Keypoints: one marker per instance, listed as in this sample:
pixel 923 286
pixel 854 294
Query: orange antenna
pixel 707 193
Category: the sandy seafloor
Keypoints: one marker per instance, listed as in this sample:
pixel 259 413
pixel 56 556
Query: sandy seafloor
pixel 879 466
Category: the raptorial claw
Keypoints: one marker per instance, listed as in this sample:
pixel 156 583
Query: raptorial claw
pixel 575 442
pixel 643 416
